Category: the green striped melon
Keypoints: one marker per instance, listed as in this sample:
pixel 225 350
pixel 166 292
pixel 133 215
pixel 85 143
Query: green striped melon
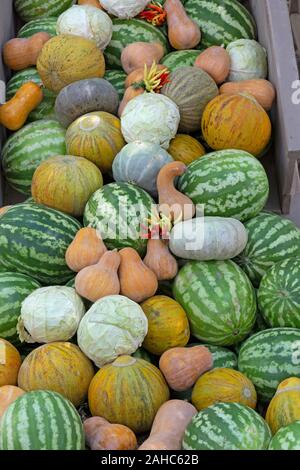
pixel 39 25
pixel 46 108
pixel 27 148
pixel 227 426
pixel 222 357
pixel 269 357
pixel 271 239
pixel 118 211
pixel 126 32
pixel 34 240
pixel 31 9
pixel 41 420
pixel 287 438
pixel 14 288
pixel 221 21
pixel 218 299
pixel 177 59
pixel 228 183
pixel 117 79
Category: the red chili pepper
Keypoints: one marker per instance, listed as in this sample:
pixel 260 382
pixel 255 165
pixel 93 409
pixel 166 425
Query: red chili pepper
pixel 154 13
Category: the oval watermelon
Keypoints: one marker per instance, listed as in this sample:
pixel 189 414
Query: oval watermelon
pixel 177 59
pixel 117 79
pixel 287 438
pixel 39 25
pixel 33 9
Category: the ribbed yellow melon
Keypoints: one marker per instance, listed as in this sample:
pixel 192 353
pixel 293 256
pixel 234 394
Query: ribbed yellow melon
pixel 65 59
pixel 96 136
pixel 8 394
pixel 10 361
pixel 284 407
pixel 129 391
pixel 185 149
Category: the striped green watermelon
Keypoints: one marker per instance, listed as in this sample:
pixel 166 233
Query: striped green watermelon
pixel 229 183
pixel 32 9
pixel 27 148
pixel 218 299
pixel 117 79
pixel 118 211
pixel 177 59
pixel 41 420
pixel 227 426
pixel 39 25
pixel 271 239
pixel 46 108
pixel 221 21
pixel 269 357
pixel 126 32
pixel 34 240
pixel 287 438
pixel 14 288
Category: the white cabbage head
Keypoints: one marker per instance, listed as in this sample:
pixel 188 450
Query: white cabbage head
pixel 248 60
pixel 124 8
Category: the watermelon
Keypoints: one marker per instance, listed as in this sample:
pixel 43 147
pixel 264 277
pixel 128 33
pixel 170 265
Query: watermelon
pixel 40 25
pixel 27 148
pixel 32 9
pixel 271 239
pixel 41 420
pixel 34 240
pixel 177 59
pixel 221 21
pixel 269 357
pixel 287 438
pixel 227 426
pixel 14 288
pixel 119 211
pixel 218 299
pixel 126 32
pixel 228 183
pixel 117 79
pixel 46 108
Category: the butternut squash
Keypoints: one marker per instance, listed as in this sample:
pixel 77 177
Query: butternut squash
pixel 86 249
pixel 101 435
pixel 20 53
pixel 137 54
pixel 215 61
pixel 130 93
pixel 92 3
pixel 262 90
pixel 160 260
pixel 183 32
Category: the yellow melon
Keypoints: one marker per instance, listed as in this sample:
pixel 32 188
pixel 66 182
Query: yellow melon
pixel 185 149
pixel 10 362
pixel 284 407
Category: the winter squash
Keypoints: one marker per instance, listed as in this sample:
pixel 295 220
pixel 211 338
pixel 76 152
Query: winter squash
pixel 137 54
pixel 183 32
pixel 168 326
pixel 124 9
pixel 93 3
pixel 284 407
pixel 160 260
pixel 86 249
pixel 101 435
pixel 169 425
pixel 185 148
pixel 143 387
pixel 85 96
pixel 101 279
pixel 8 394
pixel 20 53
pixel 241 117
pixel 262 90
pixel 191 89
pixel 96 136
pixel 60 367
pixel 10 362
pixel 66 59
pixel 216 62
pixel 223 385
pixel 137 281
pixel 78 177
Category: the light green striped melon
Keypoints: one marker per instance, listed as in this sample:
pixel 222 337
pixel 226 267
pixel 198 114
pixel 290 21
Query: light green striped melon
pixel 39 25
pixel 34 240
pixel 126 32
pixel 269 357
pixel 46 108
pixel 41 420
pixel 14 288
pixel 117 79
pixel 287 438
pixel 221 21
pixel 31 9
pixel 177 59
pixel 27 148
pixel 218 299
pixel 227 426
pixel 229 183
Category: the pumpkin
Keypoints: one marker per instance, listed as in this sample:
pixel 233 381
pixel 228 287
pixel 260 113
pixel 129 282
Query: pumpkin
pixel 66 58
pixel 139 54
pixel 215 61
pixel 59 367
pixel 96 136
pixel 20 53
pixel 101 435
pixel 236 122
pixel 191 89
pixel 78 177
pixel 185 149
pixel 10 362
pixel 8 394
pixel 168 325
pixel 142 387
pixel 223 385
pixel 284 407
pixel 262 90
pixel 86 249
pixel 84 96
pixel 160 260
pixel 183 32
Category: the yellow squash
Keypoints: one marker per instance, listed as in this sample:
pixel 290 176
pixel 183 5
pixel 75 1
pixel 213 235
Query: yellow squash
pixel 185 149
pixel 10 361
pixel 284 407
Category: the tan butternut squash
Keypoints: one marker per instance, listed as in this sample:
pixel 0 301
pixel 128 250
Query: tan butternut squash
pixel 215 61
pixel 86 249
pixel 92 3
pixel 160 260
pixel 262 90
pixel 183 32
pixel 20 53
pixel 102 435
pixel 137 54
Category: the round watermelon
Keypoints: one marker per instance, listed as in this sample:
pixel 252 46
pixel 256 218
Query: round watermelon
pixel 32 9
pixel 117 79
pixel 39 25
pixel 287 438
pixel 175 60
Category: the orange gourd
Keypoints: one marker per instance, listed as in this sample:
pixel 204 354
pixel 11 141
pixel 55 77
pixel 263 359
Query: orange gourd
pixel 10 362
pixel 86 249
pixel 130 93
pixel 15 112
pixel 262 90
pixel 137 281
pixel 172 203
pixel 160 260
pixel 215 61
pixel 8 394
pixel 101 279
pixel 102 435
pixel 92 3
pixel 20 53
pixel 181 367
pixel 183 32
pixel 137 54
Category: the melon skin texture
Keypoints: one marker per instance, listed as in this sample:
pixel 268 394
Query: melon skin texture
pixel 39 25
pixel 38 9
pixel 287 438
